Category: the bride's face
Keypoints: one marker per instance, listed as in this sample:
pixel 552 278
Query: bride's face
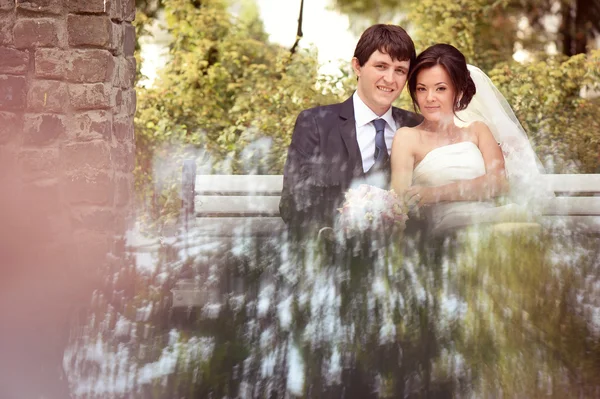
pixel 435 94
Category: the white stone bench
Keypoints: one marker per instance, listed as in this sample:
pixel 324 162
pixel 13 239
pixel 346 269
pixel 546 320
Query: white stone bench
pixel 222 207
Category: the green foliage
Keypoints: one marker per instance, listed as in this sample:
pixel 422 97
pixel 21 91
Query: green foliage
pixel 367 12
pixel 577 22
pixel 225 86
pixel 473 26
pixel 227 97
pixel 545 95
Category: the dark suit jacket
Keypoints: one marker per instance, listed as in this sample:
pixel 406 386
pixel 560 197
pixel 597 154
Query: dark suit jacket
pixel 323 159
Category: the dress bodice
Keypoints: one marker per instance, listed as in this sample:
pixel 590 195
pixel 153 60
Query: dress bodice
pixel 448 164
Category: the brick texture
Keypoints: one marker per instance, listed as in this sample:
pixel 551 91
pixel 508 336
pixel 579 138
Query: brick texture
pixel 46 6
pixel 48 96
pixel 43 128
pixel 94 154
pixel 128 39
pixel 10 125
pixel 91 125
pixel 50 63
pixel 122 128
pixel 116 38
pixel 89 30
pixel 88 6
pixel 67 101
pixel 90 96
pixel 116 10
pixel 38 32
pixel 126 69
pixel 13 61
pixel 12 92
pixel 128 10
pixel 89 66
pixel 7 4
pixel 7 24
pixel 129 98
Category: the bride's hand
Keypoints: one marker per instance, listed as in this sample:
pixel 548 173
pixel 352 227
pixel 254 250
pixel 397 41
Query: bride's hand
pixel 418 196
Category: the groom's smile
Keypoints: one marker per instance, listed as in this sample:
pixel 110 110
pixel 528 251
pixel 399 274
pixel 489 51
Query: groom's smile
pixel 380 80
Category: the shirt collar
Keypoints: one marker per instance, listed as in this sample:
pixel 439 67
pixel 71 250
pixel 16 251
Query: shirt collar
pixel 364 115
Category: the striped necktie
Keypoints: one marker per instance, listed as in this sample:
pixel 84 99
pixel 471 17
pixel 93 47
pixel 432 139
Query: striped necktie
pixel 381 153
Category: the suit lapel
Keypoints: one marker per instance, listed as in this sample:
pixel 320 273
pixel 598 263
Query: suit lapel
pixel 398 117
pixel 347 129
pixel 405 118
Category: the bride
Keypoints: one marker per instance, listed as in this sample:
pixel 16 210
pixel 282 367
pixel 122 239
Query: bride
pixel 456 165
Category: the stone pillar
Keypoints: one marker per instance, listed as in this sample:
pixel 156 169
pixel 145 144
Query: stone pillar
pixel 67 102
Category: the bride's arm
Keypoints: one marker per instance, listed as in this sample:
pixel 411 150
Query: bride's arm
pixel 492 184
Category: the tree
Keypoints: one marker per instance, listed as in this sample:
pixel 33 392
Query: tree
pixel 545 95
pixel 577 21
pixel 226 94
pixel 478 28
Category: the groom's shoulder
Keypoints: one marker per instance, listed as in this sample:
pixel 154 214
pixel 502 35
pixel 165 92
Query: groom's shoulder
pixel 323 110
pixel 325 116
pixel 406 118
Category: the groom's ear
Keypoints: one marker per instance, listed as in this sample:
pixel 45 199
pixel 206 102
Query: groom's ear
pixel 356 66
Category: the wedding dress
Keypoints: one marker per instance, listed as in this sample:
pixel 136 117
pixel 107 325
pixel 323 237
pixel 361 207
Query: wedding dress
pixel 463 161
pixel 451 163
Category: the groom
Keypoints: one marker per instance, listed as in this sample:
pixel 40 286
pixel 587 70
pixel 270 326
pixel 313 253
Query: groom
pixel 335 145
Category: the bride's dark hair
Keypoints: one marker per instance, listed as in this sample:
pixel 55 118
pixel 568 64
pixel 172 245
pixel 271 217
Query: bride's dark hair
pixel 455 64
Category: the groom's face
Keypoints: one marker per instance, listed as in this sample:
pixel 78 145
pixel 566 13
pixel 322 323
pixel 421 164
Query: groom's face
pixel 380 80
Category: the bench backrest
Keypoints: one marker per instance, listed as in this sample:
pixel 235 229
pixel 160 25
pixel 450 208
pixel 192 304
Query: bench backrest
pixel 247 201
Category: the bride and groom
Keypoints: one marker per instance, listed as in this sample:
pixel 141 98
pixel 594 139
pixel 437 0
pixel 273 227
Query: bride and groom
pixel 450 162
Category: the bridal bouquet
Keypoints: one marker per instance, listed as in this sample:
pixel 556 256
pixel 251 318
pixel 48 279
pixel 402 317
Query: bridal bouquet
pixel 369 208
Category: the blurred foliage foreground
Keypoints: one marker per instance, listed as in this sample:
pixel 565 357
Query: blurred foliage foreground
pixel 485 313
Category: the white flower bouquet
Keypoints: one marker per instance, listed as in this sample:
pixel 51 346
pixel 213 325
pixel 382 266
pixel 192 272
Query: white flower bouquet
pixel 368 208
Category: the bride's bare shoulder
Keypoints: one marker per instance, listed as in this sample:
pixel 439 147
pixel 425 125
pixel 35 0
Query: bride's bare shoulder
pixel 477 126
pixel 407 134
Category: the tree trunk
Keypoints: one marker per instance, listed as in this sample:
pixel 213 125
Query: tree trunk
pixel 581 19
pixel 565 28
pixel 299 32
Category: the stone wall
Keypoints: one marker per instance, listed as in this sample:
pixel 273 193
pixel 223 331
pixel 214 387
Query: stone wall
pixel 67 102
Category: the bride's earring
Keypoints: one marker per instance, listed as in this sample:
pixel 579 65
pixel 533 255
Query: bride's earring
pixel 457 106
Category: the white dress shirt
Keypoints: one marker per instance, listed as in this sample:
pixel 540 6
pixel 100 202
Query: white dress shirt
pixel 365 130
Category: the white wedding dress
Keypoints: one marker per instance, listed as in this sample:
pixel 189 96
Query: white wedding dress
pixel 451 163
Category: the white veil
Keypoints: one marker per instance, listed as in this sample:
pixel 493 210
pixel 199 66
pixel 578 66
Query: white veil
pixel 522 166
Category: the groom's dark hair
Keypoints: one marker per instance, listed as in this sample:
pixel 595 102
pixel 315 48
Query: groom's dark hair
pixel 389 39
